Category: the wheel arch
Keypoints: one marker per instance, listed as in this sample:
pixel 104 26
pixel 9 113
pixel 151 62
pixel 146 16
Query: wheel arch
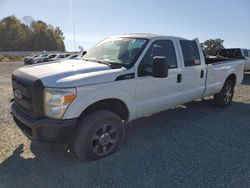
pixel 114 105
pixel 232 77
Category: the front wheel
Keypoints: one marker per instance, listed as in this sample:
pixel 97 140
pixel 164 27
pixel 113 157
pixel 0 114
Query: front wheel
pixel 98 135
pixel 224 98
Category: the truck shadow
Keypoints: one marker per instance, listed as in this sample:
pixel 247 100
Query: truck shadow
pixel 191 145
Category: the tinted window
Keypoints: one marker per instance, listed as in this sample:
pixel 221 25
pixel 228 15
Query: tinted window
pixel 245 53
pixel 190 53
pixel 163 48
pixel 248 53
pixel 52 56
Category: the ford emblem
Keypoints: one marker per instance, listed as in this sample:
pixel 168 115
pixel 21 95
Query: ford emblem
pixel 18 94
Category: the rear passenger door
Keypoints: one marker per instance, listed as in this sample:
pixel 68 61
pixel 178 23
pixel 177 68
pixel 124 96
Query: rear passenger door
pixel 247 59
pixel 193 76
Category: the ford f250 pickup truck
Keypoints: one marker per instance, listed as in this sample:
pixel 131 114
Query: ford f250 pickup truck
pixel 88 102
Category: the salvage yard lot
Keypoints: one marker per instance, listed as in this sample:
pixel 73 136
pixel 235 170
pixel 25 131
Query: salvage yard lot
pixel 195 145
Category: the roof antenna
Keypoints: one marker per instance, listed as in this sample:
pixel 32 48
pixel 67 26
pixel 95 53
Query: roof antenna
pixel 73 23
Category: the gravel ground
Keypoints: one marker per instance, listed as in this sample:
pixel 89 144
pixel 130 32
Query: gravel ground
pixel 195 145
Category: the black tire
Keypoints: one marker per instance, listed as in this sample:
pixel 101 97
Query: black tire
pixel 98 135
pixel 224 98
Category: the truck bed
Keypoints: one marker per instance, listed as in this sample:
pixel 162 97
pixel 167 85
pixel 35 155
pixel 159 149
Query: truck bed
pixel 218 70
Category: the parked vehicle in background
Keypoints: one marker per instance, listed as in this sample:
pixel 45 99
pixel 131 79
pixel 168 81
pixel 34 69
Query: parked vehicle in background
pixel 44 58
pixel 48 57
pixel 235 53
pixel 73 56
pixel 87 102
pixel 39 59
pixel 81 54
pixel 29 59
pixel 67 55
pixel 58 57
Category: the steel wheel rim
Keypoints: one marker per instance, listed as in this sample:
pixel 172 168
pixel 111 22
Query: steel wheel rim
pixel 104 139
pixel 228 94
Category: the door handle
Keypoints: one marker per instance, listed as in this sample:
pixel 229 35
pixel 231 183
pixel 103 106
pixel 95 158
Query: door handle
pixel 179 78
pixel 202 74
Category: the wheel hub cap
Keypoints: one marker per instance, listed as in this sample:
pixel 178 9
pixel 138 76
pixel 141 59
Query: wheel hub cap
pixel 228 94
pixel 104 139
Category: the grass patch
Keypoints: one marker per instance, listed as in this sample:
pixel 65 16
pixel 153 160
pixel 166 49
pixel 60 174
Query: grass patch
pixel 10 58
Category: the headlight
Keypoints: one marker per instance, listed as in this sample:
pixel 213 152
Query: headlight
pixel 57 100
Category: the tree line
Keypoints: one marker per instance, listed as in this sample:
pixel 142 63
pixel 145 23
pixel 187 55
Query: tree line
pixel 16 35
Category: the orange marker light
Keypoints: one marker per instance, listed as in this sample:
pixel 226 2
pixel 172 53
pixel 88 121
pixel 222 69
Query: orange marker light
pixel 69 98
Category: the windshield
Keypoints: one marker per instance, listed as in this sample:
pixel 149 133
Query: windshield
pixel 43 55
pixel 123 51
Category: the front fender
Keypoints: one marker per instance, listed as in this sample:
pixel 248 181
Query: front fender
pixel 87 95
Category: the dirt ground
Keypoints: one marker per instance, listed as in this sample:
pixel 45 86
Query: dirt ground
pixel 196 145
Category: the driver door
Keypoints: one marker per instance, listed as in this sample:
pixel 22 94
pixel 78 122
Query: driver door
pixel 157 94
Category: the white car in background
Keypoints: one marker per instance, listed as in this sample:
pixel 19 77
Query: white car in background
pixel 39 59
pixel 58 57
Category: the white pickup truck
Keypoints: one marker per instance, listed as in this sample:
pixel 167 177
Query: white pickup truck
pixel 88 102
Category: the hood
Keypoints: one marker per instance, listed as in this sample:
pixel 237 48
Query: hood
pixel 72 73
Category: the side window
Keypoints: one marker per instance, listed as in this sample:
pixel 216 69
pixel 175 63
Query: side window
pixel 248 53
pixel 190 53
pixel 245 53
pixel 163 48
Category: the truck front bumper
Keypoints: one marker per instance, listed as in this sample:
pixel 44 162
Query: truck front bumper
pixel 44 129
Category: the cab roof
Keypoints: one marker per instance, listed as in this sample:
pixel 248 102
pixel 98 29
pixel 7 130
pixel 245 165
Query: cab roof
pixel 147 36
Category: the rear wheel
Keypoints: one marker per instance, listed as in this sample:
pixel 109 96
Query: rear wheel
pixel 98 135
pixel 224 98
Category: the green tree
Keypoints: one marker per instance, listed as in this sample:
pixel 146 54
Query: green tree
pixel 13 34
pixel 16 35
pixel 212 45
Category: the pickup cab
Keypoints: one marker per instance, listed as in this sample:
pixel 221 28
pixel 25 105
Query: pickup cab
pixel 87 102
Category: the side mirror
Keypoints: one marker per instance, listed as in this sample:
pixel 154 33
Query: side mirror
pixel 160 67
pixel 83 53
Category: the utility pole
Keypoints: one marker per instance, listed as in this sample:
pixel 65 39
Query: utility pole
pixel 74 34
pixel 73 23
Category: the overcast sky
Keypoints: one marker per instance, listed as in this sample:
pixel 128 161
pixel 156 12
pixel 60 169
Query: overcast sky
pixel 94 20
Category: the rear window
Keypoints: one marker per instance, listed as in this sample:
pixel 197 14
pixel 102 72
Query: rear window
pixel 229 53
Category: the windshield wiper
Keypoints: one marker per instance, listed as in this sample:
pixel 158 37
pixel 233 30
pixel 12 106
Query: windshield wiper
pixel 112 65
